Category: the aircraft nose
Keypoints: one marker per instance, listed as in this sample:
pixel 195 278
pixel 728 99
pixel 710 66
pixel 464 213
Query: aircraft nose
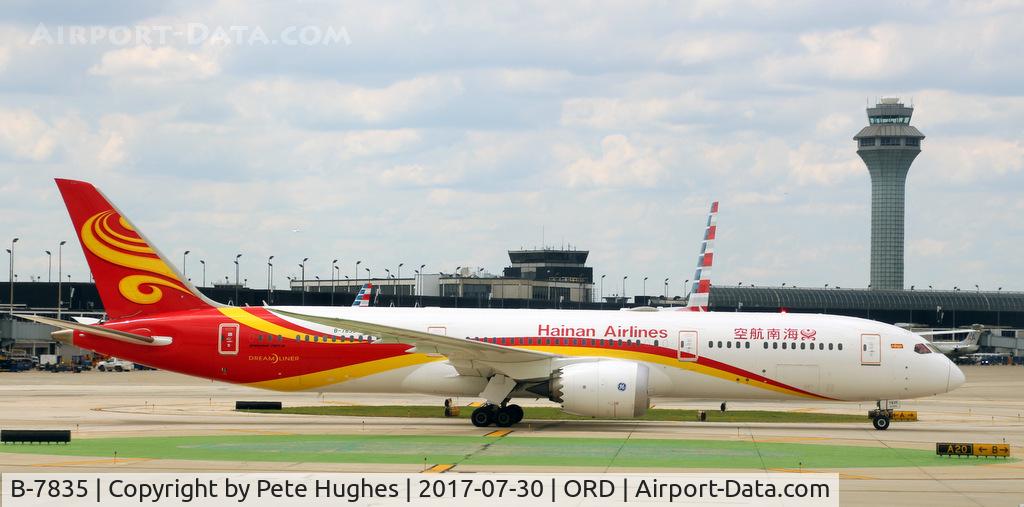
pixel 956 377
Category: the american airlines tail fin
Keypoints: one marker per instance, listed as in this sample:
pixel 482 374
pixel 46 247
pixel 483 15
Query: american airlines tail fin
pixel 699 293
pixel 363 298
pixel 132 277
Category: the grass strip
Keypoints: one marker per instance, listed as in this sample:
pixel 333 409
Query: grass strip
pixel 544 452
pixel 555 414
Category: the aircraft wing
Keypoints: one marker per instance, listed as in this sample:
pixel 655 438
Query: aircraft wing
pixel 940 333
pixel 455 349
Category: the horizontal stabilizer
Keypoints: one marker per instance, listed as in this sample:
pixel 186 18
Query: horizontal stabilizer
pixel 100 331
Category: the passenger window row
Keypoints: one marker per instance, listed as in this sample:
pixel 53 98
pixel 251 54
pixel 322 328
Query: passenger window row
pixel 582 342
pixel 315 338
pixel 728 344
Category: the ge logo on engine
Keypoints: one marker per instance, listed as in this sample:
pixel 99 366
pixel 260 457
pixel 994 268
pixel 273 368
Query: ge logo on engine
pixel 622 386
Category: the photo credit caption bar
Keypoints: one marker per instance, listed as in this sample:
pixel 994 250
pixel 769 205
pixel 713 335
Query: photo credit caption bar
pixel 207 489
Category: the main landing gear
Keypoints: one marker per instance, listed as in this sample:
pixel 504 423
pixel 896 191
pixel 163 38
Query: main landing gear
pixel 502 416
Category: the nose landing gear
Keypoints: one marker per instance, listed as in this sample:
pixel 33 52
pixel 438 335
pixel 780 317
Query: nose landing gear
pixel 880 419
pixel 502 416
pixel 882 416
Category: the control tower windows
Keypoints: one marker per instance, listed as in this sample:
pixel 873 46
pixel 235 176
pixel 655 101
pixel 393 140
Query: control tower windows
pixel 877 120
pixel 867 141
pixel 890 141
pixel 912 141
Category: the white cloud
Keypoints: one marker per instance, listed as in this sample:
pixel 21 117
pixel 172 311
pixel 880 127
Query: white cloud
pixel 645 112
pixel 823 165
pixel 950 109
pixel 323 148
pixel 836 123
pixel 928 247
pixel 416 175
pixel 25 136
pixel 618 113
pixel 332 101
pixel 162 64
pixel 690 48
pixel 532 79
pixel 619 165
pixel 968 159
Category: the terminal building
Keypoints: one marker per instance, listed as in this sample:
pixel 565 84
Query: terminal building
pixel 545 275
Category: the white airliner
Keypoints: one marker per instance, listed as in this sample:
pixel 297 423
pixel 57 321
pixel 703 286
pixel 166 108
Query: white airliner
pixel 968 345
pixel 594 363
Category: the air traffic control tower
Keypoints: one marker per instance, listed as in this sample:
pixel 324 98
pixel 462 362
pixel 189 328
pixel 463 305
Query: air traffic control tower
pixel 888 145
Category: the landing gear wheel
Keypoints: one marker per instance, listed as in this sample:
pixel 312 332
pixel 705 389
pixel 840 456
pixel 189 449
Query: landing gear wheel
pixel 504 418
pixel 880 422
pixel 482 416
pixel 517 413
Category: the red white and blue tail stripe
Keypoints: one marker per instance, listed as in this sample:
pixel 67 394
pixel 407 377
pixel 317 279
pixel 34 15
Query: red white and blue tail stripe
pixel 699 292
pixel 363 298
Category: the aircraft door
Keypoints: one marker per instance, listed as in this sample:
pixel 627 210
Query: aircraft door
pixel 227 339
pixel 870 349
pixel 687 346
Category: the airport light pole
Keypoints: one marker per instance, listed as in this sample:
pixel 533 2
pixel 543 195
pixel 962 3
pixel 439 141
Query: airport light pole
pixel 356 289
pixel 368 277
pixel 303 267
pixel 624 298
pixel 665 294
pixel 236 279
pixel 419 281
pixel 399 280
pixel 645 286
pixel 602 287
pixel 184 266
pixel 387 276
pixel 49 266
pixel 334 267
pixel 203 262
pixel 10 301
pixel 60 252
pixel 270 279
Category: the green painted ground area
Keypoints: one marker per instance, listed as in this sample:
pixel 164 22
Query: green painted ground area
pixel 510 450
pixel 553 413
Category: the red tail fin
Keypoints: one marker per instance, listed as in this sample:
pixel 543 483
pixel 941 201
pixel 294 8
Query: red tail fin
pixel 133 279
pixel 700 293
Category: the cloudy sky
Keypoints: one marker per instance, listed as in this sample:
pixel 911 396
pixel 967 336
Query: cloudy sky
pixel 445 134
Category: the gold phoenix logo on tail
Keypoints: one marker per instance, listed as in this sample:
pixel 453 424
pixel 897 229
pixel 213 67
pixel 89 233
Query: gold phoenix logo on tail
pixel 128 250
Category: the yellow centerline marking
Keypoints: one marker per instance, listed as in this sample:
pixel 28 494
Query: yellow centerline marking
pixel 439 469
pixel 111 461
pixel 498 433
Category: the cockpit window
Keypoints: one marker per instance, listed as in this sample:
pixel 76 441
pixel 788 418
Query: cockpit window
pixel 921 348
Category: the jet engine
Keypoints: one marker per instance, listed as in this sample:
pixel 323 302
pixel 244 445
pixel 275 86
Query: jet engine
pixel 606 389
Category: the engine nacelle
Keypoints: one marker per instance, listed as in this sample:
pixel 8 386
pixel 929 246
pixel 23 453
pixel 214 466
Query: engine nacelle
pixel 607 389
